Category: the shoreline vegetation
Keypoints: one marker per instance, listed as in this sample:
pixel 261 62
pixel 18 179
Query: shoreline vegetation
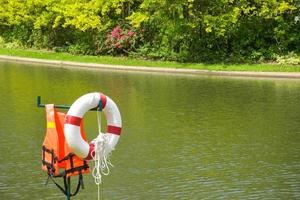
pixel 187 31
pixel 130 64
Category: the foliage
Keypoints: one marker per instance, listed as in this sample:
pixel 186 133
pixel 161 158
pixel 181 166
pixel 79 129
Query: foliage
pixel 289 59
pixel 122 41
pixel 2 42
pixel 83 49
pixel 181 30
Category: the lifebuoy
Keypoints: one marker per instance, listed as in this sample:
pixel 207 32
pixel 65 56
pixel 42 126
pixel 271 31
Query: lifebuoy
pixel 75 114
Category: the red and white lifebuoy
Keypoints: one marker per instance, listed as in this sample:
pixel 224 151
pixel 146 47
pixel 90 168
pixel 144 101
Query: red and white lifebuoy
pixel 75 114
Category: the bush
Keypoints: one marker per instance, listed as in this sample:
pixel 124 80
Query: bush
pixel 289 59
pixel 10 45
pixel 146 51
pixel 2 42
pixel 81 48
pixel 13 45
pixel 39 40
pixel 122 41
pixel 60 49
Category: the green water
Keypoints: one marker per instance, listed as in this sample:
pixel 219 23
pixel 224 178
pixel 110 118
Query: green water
pixel 184 137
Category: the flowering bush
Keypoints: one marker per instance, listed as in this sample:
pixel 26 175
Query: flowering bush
pixel 122 41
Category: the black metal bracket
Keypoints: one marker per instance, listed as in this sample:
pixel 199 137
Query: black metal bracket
pixel 39 105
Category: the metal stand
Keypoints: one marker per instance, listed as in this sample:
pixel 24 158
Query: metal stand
pixel 67 180
pixel 39 105
pixel 68 189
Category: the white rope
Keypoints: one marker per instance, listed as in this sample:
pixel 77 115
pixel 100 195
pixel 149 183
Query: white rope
pixel 101 155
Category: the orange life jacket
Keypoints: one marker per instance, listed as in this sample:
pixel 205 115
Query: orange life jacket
pixel 57 158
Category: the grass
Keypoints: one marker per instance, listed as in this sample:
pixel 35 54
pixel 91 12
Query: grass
pixel 41 54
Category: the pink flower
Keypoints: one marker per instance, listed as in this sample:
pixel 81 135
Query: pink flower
pixel 131 33
pixel 116 32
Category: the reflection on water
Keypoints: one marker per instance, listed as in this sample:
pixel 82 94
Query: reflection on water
pixel 184 137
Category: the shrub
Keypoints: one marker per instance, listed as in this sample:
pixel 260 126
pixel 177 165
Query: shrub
pixel 2 42
pixel 289 59
pixel 81 48
pixel 122 41
pixel 60 49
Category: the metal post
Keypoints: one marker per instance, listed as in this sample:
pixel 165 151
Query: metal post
pixel 68 188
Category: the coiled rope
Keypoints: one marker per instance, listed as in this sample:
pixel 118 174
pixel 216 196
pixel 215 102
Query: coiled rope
pixel 101 156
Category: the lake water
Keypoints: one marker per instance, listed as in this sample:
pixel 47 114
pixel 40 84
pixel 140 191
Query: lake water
pixel 184 137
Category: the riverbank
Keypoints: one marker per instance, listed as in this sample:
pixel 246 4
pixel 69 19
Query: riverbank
pixel 106 62
pixel 153 69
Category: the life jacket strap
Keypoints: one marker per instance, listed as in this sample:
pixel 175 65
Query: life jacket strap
pixel 66 189
pixel 73 169
pixel 50 166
